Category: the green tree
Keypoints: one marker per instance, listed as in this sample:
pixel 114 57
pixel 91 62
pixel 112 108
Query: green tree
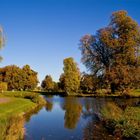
pixel 47 84
pixel 113 53
pixel 71 76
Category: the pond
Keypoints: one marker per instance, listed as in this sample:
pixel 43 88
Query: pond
pixel 76 118
pixel 73 118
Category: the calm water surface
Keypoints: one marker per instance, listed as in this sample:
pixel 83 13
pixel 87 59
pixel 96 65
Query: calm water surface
pixel 69 118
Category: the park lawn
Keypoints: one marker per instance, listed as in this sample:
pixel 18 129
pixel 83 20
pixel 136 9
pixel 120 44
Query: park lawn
pixel 15 106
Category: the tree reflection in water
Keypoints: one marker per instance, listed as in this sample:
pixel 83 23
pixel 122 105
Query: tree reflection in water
pixel 49 106
pixel 73 110
pixel 12 129
pixel 92 107
pixel 29 114
pixel 101 119
pixel 119 121
pixel 96 131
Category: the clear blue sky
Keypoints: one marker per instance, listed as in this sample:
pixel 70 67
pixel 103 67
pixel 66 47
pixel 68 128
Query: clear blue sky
pixel 42 33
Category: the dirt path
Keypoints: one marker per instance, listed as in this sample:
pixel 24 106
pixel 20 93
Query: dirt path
pixel 4 100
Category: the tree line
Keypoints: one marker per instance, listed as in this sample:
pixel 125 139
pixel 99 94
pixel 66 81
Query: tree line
pixel 16 78
pixel 111 57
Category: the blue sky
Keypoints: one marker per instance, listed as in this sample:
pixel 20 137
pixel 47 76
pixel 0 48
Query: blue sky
pixel 42 33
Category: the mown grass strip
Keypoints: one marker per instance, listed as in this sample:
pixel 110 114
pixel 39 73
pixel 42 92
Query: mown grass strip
pixel 15 106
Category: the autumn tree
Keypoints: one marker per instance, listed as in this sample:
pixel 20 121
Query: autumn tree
pixel 47 84
pixel 88 83
pixel 1 40
pixel 3 86
pixel 113 52
pixel 71 76
pixel 12 76
pixel 17 78
pixel 56 86
pixel 61 83
pixel 29 78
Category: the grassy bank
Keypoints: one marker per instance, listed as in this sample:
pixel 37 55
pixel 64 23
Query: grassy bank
pixel 13 107
pixel 19 102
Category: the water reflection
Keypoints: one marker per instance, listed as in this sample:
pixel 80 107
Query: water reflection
pixel 92 107
pixel 124 103
pixel 74 118
pixel 12 129
pixel 73 109
pixel 94 110
pixel 29 114
pixel 49 106
pixel 96 131
pixel 120 120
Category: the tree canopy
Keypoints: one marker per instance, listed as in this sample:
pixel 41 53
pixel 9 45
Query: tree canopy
pixel 113 52
pixel 1 40
pixel 88 83
pixel 47 84
pixel 19 78
pixel 30 78
pixel 71 76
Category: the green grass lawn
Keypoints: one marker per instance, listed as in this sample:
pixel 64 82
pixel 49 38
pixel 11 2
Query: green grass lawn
pixel 19 102
pixel 15 106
